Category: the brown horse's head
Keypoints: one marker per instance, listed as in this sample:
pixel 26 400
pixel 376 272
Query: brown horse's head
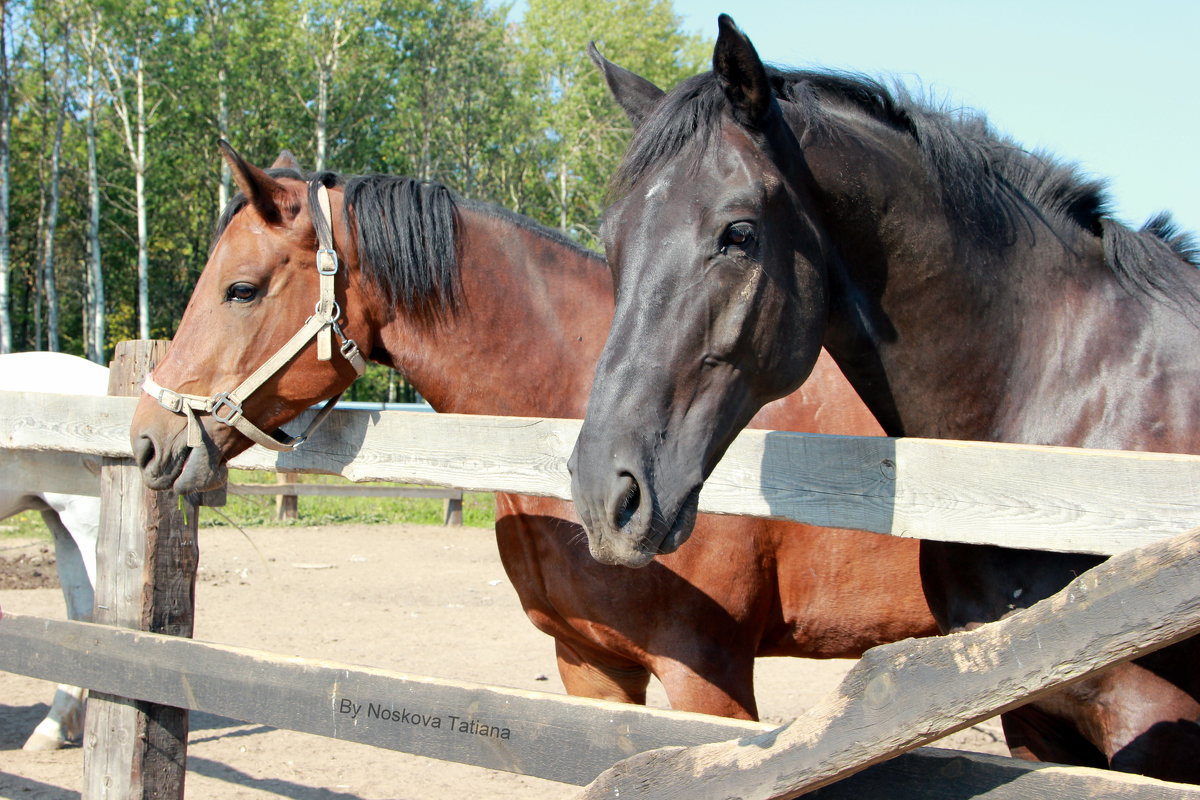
pixel 257 292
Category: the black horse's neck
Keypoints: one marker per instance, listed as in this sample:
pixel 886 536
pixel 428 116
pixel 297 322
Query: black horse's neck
pixel 949 328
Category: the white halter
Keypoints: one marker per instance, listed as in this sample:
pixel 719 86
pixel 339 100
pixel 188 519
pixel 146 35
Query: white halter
pixel 226 407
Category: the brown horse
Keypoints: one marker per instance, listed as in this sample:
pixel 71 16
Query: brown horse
pixel 486 312
pixel 967 288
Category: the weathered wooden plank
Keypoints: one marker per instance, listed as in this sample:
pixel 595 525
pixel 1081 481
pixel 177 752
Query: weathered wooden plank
pixel 550 736
pixel 1134 603
pixel 145 579
pixel 1020 496
pixel 38 471
pixel 343 490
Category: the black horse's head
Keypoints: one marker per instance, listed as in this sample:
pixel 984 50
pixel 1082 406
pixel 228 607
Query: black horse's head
pixel 718 257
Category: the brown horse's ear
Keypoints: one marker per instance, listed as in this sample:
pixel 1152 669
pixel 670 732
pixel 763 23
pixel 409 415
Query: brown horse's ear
pixel 286 160
pixel 633 93
pixel 742 75
pixel 263 191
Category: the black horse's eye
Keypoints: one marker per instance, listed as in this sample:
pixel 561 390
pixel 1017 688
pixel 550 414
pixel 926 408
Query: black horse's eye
pixel 739 235
pixel 241 292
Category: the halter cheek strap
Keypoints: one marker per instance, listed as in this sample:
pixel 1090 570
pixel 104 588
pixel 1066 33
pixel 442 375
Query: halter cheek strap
pixel 226 407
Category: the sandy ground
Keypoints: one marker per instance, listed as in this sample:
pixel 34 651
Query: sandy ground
pixel 424 600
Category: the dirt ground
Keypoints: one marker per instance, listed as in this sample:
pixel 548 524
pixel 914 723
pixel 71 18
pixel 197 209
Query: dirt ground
pixel 424 600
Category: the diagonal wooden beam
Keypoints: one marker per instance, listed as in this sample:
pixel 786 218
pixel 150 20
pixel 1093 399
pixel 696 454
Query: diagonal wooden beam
pixel 906 694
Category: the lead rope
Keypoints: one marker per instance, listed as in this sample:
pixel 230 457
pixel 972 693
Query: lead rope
pixel 226 407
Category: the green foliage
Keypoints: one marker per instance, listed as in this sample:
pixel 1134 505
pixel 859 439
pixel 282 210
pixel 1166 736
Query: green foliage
pixel 510 112
pixel 584 132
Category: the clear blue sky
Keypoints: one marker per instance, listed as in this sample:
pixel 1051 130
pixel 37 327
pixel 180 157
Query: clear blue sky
pixel 1111 86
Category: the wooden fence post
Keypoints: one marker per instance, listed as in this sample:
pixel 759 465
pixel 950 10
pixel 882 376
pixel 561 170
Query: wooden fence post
pixel 145 579
pixel 287 506
pixel 452 511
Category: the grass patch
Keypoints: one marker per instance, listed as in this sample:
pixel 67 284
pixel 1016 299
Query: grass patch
pixel 479 508
pixel 29 525
pixel 248 511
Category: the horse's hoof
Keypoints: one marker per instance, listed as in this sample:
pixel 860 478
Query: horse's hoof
pixel 42 742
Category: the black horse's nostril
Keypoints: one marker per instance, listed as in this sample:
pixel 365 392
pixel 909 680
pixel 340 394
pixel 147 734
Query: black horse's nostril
pixel 629 499
pixel 144 451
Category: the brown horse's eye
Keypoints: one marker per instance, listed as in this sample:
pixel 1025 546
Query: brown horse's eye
pixel 241 292
pixel 739 234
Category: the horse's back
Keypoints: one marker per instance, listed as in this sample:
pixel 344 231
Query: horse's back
pixel 56 373
pixel 1118 372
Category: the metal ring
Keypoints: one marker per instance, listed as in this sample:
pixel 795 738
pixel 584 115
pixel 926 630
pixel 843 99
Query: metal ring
pixel 337 311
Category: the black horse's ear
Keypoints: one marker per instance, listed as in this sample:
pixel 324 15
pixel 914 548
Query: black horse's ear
pixel 742 75
pixel 286 160
pixel 260 189
pixel 633 93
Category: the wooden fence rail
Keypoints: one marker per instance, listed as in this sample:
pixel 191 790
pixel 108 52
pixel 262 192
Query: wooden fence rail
pixel 1048 498
pixel 550 736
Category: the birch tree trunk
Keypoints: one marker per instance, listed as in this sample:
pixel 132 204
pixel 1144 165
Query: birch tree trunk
pixel 215 9
pixel 327 64
pixel 51 226
pixel 325 32
pixel 94 327
pixel 133 127
pixel 140 188
pixel 6 334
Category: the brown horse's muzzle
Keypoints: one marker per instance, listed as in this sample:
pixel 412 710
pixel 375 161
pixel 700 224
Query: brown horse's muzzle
pixel 160 449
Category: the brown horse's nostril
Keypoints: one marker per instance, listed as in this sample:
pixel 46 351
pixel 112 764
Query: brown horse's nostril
pixel 630 499
pixel 143 451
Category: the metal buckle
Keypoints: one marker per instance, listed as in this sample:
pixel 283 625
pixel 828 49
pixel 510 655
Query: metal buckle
pixel 327 256
pixel 222 400
pixel 175 405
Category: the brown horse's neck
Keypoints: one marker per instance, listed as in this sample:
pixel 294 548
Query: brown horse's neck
pixel 534 315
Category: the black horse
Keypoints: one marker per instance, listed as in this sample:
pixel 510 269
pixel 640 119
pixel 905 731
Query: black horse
pixel 968 289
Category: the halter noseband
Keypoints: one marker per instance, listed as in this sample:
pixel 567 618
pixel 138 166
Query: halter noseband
pixel 226 407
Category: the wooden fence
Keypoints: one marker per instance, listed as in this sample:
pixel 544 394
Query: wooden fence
pixel 896 699
pixel 291 489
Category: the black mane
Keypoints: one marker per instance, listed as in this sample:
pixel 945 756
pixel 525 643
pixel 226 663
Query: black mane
pixel 405 232
pixel 989 184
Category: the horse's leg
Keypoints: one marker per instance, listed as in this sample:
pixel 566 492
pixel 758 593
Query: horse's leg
pixel 1036 735
pixel 1133 720
pixel 723 686
pixel 64 722
pixel 73 560
pixel 590 677
pixel 76 530
pixel 1149 725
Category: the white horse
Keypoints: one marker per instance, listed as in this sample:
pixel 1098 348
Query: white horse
pixel 74 520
